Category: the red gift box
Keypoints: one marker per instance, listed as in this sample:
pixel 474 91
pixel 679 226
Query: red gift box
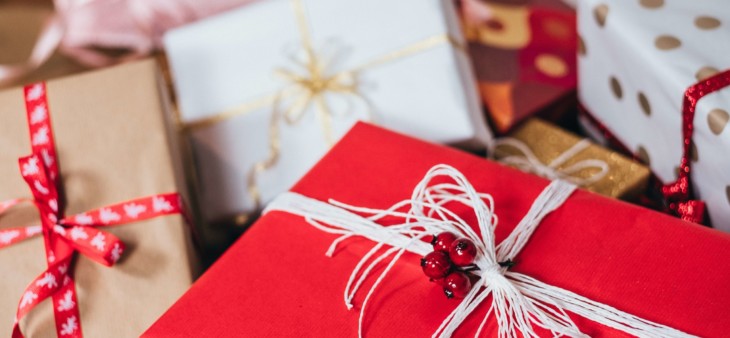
pixel 276 280
pixel 524 57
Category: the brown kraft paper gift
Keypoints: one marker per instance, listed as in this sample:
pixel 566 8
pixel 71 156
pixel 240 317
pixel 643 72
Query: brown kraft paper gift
pixel 114 143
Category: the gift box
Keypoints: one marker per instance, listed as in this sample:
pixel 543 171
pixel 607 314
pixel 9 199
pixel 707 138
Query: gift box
pixel 110 133
pixel 549 151
pixel 524 56
pixel 638 63
pixel 259 120
pixel 51 38
pixel 277 280
pixel 20 24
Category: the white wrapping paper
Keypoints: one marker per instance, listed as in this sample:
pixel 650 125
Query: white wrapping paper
pixel 232 59
pixel 638 59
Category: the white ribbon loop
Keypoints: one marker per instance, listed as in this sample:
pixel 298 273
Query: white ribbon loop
pixel 530 163
pixel 520 303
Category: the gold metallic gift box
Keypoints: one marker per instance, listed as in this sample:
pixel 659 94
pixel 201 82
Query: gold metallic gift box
pixel 626 179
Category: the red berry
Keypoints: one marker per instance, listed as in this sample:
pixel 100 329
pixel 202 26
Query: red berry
pixel 462 252
pixel 457 284
pixel 436 264
pixel 442 241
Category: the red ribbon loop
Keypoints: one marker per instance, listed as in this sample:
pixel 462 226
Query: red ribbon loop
pixel 678 194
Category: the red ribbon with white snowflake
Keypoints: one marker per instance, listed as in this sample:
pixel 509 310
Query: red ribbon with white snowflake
pixel 66 235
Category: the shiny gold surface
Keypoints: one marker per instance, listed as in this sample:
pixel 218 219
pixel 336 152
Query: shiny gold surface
pixel 626 178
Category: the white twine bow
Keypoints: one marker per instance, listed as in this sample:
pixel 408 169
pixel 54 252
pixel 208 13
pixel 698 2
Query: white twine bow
pixel 520 303
pixel 528 162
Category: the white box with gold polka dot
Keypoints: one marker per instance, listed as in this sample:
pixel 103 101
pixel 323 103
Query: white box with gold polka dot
pixel 637 59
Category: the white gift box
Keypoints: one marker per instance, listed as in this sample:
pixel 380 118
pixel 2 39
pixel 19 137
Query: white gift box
pixel 636 61
pixel 421 84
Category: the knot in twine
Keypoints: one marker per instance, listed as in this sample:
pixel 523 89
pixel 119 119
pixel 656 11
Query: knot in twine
pixel 528 162
pixel 519 302
pixel 309 82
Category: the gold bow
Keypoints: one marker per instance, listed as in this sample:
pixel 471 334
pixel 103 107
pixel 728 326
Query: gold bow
pixel 307 88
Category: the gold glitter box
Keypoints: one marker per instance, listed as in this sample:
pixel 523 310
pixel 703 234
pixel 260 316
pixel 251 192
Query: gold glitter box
pixel 626 179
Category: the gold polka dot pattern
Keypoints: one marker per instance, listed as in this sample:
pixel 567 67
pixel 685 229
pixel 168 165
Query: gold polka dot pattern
pixel 651 4
pixel 581 46
pixel 643 155
pixel 707 22
pixel 600 13
pixel 551 65
pixel 644 103
pixel 667 42
pixel 705 72
pixel 717 119
pixel 616 88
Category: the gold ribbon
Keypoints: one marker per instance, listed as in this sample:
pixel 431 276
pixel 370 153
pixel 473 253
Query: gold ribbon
pixel 307 89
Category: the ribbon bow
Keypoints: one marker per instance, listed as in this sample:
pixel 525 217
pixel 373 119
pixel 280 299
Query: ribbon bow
pixel 528 162
pixel 678 194
pixel 519 302
pixel 136 26
pixel 66 235
pixel 310 86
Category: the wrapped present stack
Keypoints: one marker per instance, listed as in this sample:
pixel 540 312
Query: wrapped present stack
pixel 343 168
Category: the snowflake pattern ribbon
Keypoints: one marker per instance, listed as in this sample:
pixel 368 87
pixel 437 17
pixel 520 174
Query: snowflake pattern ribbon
pixel 65 235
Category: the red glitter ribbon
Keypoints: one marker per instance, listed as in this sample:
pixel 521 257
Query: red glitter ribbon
pixel 678 195
pixel 64 236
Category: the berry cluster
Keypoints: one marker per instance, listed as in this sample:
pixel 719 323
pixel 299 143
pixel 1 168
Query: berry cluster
pixel 450 262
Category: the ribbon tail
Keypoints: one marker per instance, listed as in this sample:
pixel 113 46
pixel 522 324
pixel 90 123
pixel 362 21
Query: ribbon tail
pixel 6 205
pixel 324 114
pixel 678 190
pixel 50 38
pixel 465 307
pixel 677 196
pixel 296 111
pixel 691 211
pixel 47 284
pixel 11 236
pixel 273 157
pixel 592 310
pixel 66 310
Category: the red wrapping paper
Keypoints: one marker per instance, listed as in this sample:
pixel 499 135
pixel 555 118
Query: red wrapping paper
pixel 524 57
pixel 276 281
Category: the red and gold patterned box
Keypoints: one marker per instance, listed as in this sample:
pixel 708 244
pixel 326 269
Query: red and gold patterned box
pixel 524 55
